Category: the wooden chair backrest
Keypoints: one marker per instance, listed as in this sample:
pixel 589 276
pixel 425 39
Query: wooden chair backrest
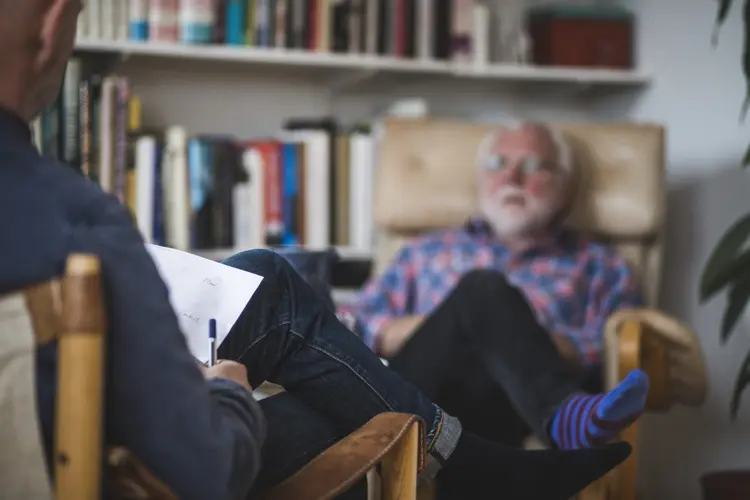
pixel 70 311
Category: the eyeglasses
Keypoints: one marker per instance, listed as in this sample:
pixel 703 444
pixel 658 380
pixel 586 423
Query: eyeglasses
pixel 529 165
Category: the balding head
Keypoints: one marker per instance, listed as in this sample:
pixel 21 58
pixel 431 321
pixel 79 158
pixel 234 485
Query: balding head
pixel 525 174
pixel 36 39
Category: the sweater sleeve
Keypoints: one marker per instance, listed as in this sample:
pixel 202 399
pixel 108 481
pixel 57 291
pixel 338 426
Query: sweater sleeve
pixel 203 439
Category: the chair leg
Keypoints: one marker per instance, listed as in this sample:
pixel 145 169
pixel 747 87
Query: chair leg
pixel 399 468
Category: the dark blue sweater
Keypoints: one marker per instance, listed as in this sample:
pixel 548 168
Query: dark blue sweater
pixel 202 438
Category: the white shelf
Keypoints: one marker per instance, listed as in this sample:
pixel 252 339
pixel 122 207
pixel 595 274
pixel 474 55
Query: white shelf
pixel 363 62
pixel 346 253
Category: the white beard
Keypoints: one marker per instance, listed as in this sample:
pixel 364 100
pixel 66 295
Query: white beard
pixel 510 220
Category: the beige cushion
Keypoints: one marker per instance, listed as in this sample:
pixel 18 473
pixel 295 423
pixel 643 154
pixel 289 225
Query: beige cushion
pixel 23 473
pixel 426 179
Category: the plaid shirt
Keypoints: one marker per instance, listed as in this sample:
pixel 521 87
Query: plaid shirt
pixel 572 284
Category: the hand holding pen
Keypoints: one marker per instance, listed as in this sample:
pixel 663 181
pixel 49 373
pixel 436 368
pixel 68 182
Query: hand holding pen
pixel 228 370
pixel 212 342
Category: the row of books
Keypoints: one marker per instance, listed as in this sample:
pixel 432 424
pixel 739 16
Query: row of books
pixel 309 185
pixel 429 29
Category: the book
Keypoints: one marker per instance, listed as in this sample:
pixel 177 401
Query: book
pixel 200 290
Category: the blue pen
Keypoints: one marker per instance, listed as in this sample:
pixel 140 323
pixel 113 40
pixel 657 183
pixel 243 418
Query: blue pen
pixel 212 342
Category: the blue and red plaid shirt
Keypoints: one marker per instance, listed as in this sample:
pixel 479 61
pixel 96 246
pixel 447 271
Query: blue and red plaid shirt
pixel 573 284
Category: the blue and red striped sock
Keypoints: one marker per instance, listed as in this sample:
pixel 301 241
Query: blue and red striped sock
pixel 587 420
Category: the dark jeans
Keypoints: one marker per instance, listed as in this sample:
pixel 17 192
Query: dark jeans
pixel 289 336
pixel 483 357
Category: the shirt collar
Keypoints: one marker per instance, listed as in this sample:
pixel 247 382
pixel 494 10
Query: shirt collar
pixel 479 227
pixel 13 129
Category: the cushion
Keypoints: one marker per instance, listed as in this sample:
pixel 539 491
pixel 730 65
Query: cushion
pixel 426 176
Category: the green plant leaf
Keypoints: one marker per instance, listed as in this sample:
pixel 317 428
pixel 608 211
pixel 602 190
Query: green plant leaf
pixel 746 158
pixel 721 16
pixel 743 379
pixel 739 295
pixel 746 59
pixel 724 261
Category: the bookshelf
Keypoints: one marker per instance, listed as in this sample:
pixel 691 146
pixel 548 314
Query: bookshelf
pixel 299 59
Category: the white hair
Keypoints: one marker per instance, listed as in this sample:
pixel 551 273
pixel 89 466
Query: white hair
pixel 564 152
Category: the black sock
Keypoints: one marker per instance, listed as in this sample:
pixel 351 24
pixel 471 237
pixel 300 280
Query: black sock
pixel 496 471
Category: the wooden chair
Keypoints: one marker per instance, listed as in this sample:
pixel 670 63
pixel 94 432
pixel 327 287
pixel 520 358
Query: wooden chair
pixel 71 311
pixel 425 180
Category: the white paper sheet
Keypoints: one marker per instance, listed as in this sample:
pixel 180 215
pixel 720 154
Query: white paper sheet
pixel 201 289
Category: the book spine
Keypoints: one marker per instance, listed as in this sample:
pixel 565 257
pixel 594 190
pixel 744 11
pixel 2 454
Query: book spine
pixel 71 114
pixel 235 22
pixel 280 35
pixel 462 31
pixel 158 196
pixel 138 20
pixel 251 22
pixel 197 19
pixel 201 181
pixel 273 194
pixel 108 19
pixel 122 19
pixel 121 137
pixel 93 12
pixel 481 38
pixel 262 24
pixel 177 194
pixel 85 121
pixel 36 133
pixel 289 211
pixel 145 151
pixel 425 29
pixel 82 31
pixel 164 21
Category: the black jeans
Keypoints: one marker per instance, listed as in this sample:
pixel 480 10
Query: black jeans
pixel 483 357
pixel 288 335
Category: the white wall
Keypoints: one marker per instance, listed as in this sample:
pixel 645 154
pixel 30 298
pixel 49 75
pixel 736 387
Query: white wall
pixel 696 94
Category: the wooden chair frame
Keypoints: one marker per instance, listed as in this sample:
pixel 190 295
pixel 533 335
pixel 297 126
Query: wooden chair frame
pixel 76 318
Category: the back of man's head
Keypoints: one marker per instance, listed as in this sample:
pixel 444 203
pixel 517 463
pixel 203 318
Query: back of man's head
pixel 36 39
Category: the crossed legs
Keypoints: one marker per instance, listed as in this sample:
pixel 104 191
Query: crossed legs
pixel 287 335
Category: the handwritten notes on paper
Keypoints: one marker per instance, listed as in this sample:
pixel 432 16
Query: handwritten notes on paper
pixel 201 289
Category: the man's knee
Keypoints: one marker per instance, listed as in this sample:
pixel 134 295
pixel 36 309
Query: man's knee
pixel 489 284
pixel 483 279
pixel 262 262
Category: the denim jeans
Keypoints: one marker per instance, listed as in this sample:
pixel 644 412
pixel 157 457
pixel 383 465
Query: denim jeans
pixel 289 336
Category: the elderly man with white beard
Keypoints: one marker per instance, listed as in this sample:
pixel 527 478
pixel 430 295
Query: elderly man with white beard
pixel 501 321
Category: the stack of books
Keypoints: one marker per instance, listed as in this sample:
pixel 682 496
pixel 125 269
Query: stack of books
pixel 309 185
pixel 426 29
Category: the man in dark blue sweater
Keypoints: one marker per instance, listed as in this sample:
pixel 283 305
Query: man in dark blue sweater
pixel 202 433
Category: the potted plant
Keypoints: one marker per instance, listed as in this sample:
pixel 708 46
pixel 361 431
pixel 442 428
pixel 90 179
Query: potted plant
pixel 728 269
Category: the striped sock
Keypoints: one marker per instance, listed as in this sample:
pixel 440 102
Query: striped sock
pixel 586 420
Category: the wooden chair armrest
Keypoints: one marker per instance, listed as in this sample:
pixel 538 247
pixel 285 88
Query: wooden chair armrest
pixel 669 352
pixel 128 479
pixel 665 348
pixel 624 338
pixel 394 440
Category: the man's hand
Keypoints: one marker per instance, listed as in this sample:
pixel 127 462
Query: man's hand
pixel 228 370
pixel 396 333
